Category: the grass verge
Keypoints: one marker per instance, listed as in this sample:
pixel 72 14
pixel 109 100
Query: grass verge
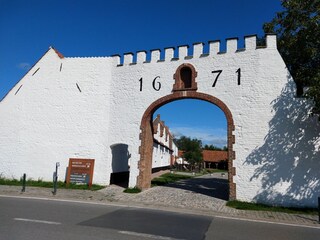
pixel 132 190
pixel 206 171
pixel 263 207
pixel 168 178
pixel 40 183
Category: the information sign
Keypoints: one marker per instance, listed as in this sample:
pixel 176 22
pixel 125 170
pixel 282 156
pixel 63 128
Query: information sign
pixel 80 171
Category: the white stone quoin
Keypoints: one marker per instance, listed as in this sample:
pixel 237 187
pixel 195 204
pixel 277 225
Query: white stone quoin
pixel 82 107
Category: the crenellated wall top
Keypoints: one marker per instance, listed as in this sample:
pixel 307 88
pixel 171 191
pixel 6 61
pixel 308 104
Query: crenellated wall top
pixel 140 57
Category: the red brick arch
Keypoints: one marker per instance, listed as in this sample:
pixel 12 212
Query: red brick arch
pixel 146 137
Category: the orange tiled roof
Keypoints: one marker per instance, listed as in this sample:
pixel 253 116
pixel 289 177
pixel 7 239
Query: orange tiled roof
pixel 214 156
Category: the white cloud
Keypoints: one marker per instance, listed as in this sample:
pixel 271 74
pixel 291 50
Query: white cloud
pixel 214 136
pixel 24 66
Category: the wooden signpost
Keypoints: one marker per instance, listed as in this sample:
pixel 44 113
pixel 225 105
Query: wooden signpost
pixel 80 171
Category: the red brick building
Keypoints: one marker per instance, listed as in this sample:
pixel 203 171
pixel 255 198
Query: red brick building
pixel 211 159
pixel 215 159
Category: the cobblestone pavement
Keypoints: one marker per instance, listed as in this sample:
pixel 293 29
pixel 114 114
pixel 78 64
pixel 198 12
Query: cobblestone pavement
pixel 205 195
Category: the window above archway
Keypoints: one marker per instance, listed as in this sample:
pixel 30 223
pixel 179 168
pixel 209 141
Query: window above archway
pixel 185 78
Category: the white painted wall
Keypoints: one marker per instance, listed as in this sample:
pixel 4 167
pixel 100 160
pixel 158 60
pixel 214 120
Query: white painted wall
pixel 161 156
pixel 162 151
pixel 265 170
pixel 49 120
pixel 175 150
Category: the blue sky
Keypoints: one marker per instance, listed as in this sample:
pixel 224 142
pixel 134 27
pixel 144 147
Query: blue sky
pixel 195 119
pixel 107 27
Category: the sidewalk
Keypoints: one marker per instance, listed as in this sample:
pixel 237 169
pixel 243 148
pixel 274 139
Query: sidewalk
pixel 188 196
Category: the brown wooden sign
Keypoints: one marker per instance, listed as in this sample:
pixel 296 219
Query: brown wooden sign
pixel 80 171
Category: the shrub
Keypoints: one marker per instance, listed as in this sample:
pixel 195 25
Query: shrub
pixel 132 190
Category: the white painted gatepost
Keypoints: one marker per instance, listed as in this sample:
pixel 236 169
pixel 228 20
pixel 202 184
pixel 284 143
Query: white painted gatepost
pixel 81 108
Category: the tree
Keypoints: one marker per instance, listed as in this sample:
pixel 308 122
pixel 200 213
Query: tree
pixel 298 31
pixel 192 150
pixel 212 147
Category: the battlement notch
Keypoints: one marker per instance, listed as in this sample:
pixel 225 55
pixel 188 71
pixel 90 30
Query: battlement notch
pixel 214 48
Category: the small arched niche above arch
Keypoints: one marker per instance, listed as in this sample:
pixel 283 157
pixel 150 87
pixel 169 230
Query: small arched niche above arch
pixel 185 78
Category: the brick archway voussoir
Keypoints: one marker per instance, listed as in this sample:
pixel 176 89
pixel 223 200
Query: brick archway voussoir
pixel 146 137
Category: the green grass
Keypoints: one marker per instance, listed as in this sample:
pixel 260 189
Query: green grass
pixel 263 207
pixel 10 182
pixel 206 171
pixel 168 178
pixel 132 190
pixel 40 183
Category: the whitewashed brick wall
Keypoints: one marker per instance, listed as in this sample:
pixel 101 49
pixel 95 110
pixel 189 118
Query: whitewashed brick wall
pixel 49 120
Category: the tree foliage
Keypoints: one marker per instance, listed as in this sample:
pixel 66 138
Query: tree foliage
pixel 212 147
pixel 192 149
pixel 298 31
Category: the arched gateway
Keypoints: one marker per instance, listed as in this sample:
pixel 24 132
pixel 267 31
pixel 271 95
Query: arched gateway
pixel 100 109
pixel 146 136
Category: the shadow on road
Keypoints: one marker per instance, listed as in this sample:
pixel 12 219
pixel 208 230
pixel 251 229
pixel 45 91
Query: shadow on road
pixel 210 186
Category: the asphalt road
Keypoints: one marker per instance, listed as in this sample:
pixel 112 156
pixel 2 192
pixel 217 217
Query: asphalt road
pixel 44 219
